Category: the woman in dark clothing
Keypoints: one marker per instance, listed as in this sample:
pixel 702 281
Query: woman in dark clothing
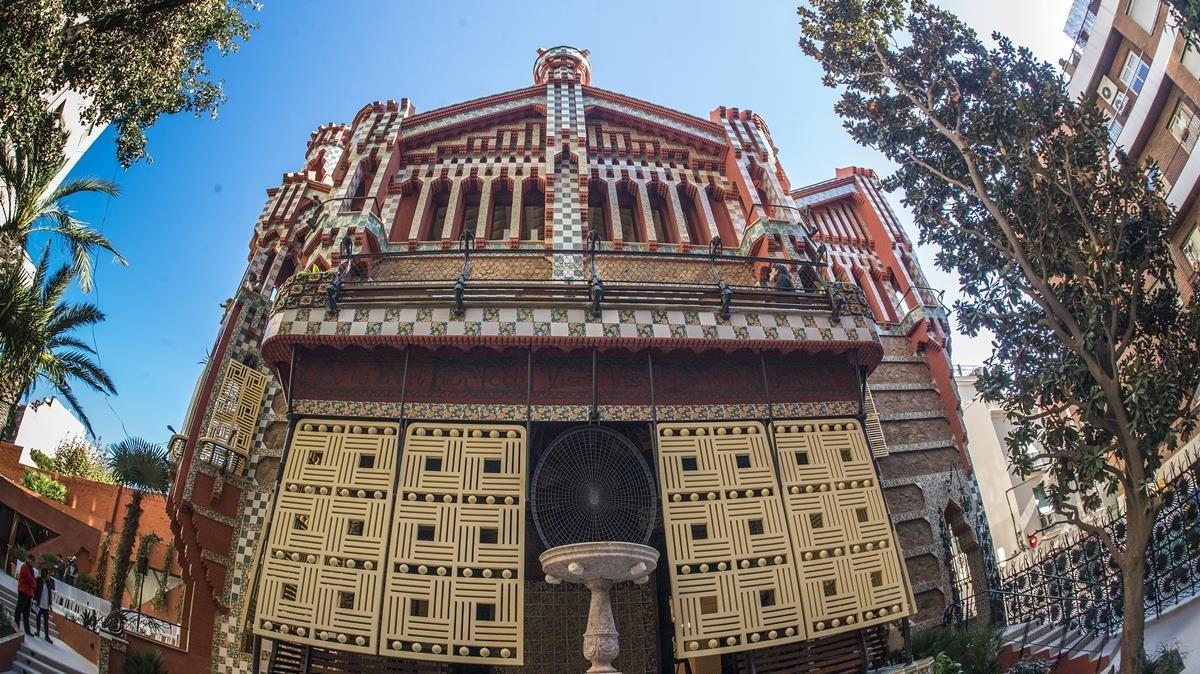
pixel 43 597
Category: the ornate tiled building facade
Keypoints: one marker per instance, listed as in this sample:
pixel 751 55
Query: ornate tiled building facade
pixel 435 298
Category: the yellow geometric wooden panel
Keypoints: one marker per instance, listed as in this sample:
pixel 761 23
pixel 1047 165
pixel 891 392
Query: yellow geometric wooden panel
pixel 238 403
pixel 454 591
pixel 849 567
pixel 322 579
pixel 733 577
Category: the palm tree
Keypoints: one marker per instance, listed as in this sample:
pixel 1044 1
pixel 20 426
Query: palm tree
pixel 27 169
pixel 36 344
pixel 141 466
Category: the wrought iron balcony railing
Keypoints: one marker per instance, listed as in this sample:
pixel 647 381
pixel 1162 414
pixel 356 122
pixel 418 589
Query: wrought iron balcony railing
pixel 594 278
pixel 175 447
pixel 221 456
pixel 128 621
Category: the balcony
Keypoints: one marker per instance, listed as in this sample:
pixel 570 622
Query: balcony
pixel 929 305
pixel 221 456
pixel 175 447
pixel 560 279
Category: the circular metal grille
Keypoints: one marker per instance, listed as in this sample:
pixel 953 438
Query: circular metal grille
pixel 592 484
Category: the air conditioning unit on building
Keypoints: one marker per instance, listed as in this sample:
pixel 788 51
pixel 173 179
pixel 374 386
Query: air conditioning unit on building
pixel 1111 94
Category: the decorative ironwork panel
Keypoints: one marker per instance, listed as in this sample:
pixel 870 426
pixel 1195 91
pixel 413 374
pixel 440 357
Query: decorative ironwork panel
pixel 849 567
pixel 238 403
pixel 455 588
pixel 323 574
pixel 733 577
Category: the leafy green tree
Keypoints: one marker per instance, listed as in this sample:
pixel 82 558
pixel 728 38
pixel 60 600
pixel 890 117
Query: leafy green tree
pixel 36 340
pixel 1059 241
pixel 45 485
pixel 75 456
pixel 134 60
pixel 1186 14
pixel 142 467
pixel 28 206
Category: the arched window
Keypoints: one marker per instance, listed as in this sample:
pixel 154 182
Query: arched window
pixel 533 212
pixel 662 215
pixel 410 192
pixel 598 209
pixel 364 176
pixel 259 280
pixel 498 219
pixel 434 221
pixel 285 271
pixel 720 211
pixel 693 218
pixel 758 178
pixel 629 212
pixel 470 193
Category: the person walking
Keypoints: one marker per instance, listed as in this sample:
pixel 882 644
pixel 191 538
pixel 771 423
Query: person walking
pixel 43 595
pixel 26 585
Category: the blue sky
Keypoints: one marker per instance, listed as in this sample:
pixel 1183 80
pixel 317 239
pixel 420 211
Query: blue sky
pixel 184 220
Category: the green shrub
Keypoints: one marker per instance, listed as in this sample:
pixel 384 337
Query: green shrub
pixel 45 485
pixel 1165 661
pixel 17 553
pixel 88 583
pixel 49 561
pixel 90 620
pixel 942 664
pixel 145 662
pixel 977 651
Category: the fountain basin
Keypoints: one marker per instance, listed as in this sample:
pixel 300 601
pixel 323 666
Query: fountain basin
pixel 598 565
pixel 612 561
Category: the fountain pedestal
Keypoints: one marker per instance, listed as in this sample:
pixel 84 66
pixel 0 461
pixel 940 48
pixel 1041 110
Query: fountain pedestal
pixel 598 566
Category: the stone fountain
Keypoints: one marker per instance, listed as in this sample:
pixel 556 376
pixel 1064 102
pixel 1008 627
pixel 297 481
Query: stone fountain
pixel 599 566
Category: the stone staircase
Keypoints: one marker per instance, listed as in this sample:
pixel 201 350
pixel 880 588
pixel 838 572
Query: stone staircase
pixel 38 656
pixel 1067 651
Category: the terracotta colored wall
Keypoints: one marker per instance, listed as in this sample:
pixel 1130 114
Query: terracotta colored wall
pixel 8 651
pixel 92 508
pixel 81 640
pixel 74 537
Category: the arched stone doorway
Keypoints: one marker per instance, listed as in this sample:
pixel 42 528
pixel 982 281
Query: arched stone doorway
pixel 968 573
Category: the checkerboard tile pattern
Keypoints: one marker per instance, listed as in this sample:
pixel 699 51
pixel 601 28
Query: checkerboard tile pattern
pixel 617 324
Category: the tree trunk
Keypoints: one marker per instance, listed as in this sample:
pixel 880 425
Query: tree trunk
pixel 9 397
pixel 1139 525
pixel 129 528
pixel 12 250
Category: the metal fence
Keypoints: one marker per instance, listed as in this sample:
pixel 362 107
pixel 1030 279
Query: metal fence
pixel 1078 584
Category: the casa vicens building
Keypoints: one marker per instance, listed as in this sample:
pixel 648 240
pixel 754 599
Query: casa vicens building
pixel 561 314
